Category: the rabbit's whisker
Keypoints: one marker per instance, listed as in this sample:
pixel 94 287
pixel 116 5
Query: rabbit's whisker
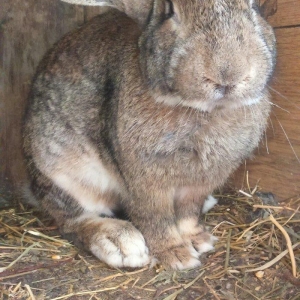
pixel 287 138
pixel 282 96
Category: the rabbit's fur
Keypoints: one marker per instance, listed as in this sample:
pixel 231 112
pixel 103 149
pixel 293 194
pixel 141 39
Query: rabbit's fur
pixel 143 114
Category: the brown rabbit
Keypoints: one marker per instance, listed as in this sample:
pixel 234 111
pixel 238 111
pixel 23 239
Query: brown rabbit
pixel 136 117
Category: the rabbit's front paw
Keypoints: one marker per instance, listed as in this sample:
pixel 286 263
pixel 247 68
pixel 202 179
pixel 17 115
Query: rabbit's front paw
pixel 119 244
pixel 203 242
pixel 179 257
pixel 197 235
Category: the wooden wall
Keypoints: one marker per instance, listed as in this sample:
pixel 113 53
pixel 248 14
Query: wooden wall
pixel 277 162
pixel 29 27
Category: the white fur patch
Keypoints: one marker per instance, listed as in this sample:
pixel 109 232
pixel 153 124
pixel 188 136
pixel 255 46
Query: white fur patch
pixel 94 174
pixel 207 246
pixel 188 226
pixel 129 251
pixel 88 199
pixel 89 2
pixel 251 101
pixel 193 262
pixel 85 178
pixel 168 99
pixel 209 203
pixel 200 105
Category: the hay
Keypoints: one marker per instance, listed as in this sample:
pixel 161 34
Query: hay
pixel 257 257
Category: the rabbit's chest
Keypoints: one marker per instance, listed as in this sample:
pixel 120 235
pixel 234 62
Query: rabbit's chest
pixel 197 145
pixel 180 143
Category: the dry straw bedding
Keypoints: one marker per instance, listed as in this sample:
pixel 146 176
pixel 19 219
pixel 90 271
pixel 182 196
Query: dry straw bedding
pixel 257 256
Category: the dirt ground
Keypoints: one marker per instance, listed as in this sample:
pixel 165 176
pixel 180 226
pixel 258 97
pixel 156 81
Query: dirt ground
pixel 36 263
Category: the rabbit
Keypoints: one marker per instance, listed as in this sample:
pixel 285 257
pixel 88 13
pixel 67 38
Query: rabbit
pixel 135 118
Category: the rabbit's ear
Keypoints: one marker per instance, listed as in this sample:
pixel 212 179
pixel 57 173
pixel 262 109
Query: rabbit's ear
pixel 136 9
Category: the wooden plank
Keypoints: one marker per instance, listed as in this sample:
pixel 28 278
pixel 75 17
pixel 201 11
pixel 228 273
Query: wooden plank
pixel 281 13
pixel 277 164
pixel 27 30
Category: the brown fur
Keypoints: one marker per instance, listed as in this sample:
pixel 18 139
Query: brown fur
pixel 148 119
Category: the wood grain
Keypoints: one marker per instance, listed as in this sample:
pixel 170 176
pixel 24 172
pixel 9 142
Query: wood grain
pixel 27 30
pixel 282 13
pixel 277 164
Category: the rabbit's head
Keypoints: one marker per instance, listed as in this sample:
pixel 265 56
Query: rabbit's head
pixel 204 54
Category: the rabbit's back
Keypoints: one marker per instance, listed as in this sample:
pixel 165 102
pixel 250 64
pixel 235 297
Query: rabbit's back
pixel 75 77
pixel 70 122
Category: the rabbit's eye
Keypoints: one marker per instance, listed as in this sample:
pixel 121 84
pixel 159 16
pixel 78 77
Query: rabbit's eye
pixel 169 9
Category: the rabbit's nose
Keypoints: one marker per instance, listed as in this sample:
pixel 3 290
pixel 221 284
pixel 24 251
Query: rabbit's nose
pixel 223 89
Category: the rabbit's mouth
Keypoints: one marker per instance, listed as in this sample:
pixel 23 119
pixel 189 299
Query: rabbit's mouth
pixel 227 102
pixel 208 103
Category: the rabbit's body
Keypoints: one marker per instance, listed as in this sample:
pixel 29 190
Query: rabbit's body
pixel 100 142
